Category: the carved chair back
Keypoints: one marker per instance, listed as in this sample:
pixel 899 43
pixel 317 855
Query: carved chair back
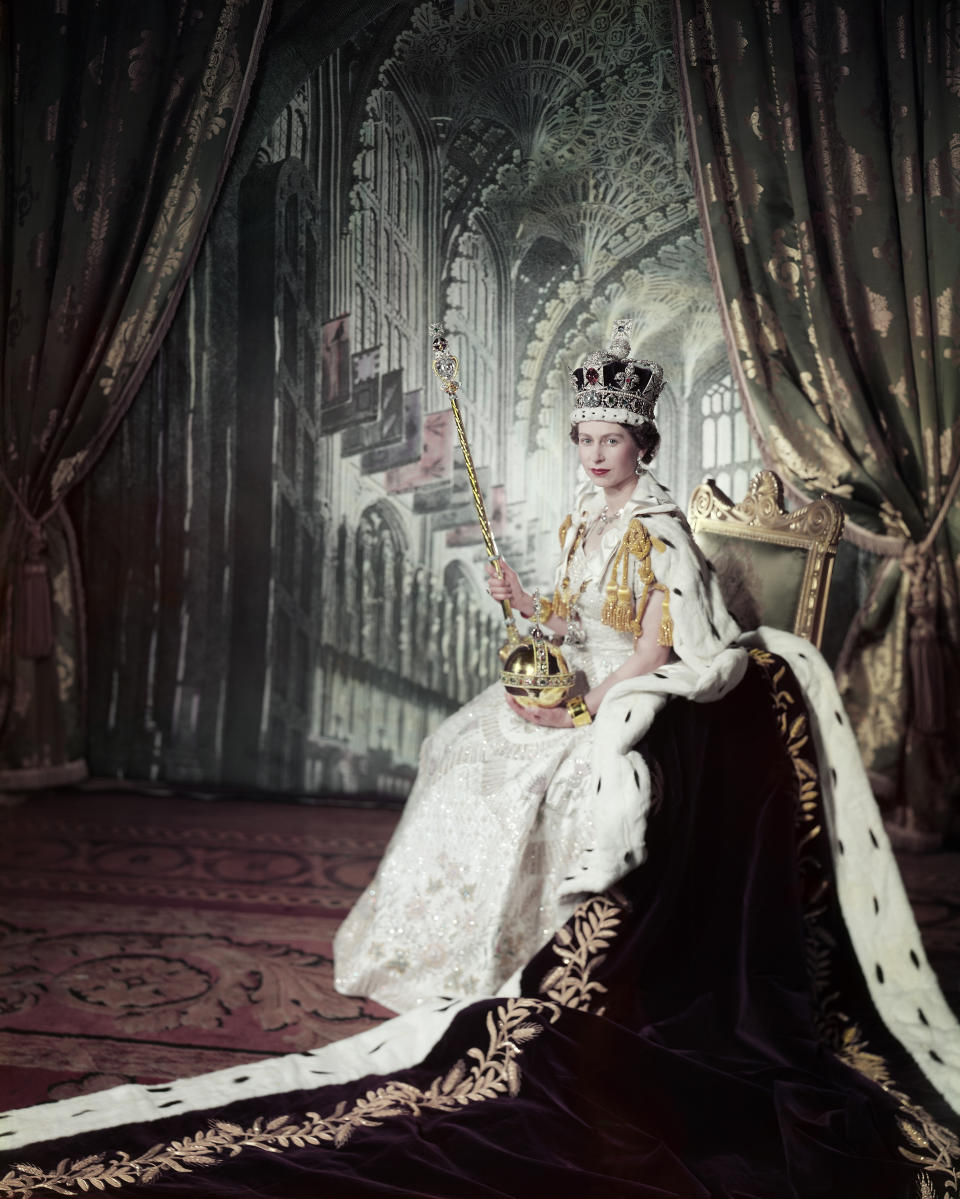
pixel 774 566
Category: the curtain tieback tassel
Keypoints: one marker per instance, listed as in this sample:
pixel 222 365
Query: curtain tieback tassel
pixel 926 662
pixel 34 612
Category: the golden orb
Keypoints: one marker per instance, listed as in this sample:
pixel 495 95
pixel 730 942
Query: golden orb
pixel 535 673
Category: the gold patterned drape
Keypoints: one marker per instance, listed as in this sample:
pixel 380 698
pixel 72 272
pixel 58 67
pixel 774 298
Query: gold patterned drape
pixel 826 148
pixel 118 121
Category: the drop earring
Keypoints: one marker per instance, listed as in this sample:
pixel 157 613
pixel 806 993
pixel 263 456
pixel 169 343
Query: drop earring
pixel 639 469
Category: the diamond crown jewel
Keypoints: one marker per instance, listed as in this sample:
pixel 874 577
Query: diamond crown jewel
pixel 612 386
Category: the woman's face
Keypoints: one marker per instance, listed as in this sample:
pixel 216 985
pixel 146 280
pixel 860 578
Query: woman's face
pixel 607 453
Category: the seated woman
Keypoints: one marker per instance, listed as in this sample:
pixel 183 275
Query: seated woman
pixel 503 833
pixel 748 1012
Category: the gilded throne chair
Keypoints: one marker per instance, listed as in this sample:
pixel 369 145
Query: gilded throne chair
pixel 774 567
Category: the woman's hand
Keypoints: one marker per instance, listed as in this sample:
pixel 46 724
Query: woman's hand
pixel 547 718
pixel 509 588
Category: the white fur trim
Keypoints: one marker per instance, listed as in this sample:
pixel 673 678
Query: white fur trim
pixel 884 934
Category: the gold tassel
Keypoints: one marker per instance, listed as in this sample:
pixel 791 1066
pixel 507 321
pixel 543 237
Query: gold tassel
pixel 637 626
pixel 618 612
pixel 665 636
pixel 609 603
pixel 623 612
pixel 562 602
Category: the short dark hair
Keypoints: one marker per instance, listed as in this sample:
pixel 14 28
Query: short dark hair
pixel 646 437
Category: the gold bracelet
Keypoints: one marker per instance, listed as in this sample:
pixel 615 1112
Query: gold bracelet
pixel 579 712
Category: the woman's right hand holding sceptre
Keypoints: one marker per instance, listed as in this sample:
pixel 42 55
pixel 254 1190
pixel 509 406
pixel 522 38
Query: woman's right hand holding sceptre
pixel 507 586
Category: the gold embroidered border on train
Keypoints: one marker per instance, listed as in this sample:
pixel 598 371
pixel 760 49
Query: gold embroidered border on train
pixel 595 924
pixel 933 1148
pixel 495 1073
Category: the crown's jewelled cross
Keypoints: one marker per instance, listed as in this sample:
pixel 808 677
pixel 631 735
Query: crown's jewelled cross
pixel 620 342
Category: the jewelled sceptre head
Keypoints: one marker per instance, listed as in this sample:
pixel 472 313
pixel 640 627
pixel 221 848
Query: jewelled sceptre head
pixel 534 670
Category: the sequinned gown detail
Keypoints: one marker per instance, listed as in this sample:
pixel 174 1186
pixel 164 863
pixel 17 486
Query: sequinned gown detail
pixel 469 887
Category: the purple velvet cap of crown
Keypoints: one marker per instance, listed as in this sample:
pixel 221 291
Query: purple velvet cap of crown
pixel 612 386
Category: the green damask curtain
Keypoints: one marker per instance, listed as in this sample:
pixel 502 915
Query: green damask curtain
pixel 826 148
pixel 118 121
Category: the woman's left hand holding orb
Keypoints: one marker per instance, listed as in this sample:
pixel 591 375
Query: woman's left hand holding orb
pixel 547 718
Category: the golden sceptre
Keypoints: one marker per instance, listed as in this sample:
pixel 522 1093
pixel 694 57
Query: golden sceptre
pixel 534 670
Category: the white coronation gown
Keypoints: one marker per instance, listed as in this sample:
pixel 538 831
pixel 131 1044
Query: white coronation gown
pixel 470 885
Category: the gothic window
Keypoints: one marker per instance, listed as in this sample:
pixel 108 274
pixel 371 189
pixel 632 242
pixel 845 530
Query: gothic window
pixel 303 672
pixel 388 284
pixel 370 243
pixel 476 294
pixel 310 275
pixel 298 136
pixel 290 322
pixel 287 547
pixel 281 652
pixel 403 208
pixel 343 585
pixel 727 452
pixel 281 134
pixel 291 227
pixel 288 437
pixel 358 605
pixel 373 322
pixel 396 612
pixel 417 620
pixel 308 482
pixel 306 570
pixel 382 549
pixel 309 375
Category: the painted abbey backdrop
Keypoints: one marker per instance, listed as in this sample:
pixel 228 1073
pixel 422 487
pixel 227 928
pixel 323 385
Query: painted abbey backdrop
pixel 285 590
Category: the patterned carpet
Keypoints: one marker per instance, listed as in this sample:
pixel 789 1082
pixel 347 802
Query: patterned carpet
pixel 144 939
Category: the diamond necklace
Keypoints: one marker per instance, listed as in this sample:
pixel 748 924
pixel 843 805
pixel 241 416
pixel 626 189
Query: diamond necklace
pixel 601 519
